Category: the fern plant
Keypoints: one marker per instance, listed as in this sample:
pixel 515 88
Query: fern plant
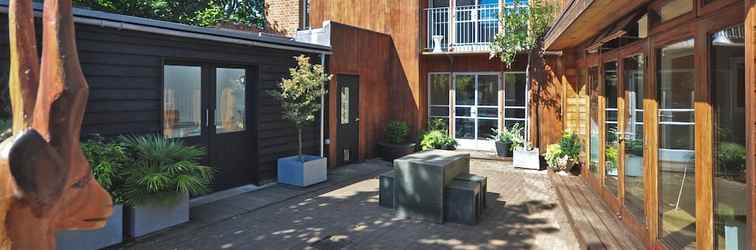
pixel 162 170
pixel 107 160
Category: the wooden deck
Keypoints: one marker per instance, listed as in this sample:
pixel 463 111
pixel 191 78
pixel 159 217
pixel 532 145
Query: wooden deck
pixel 595 226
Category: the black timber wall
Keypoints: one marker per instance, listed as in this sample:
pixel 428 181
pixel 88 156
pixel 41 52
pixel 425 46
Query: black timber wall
pixel 124 71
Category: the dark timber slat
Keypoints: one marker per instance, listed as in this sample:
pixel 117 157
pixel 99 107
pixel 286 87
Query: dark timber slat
pixel 594 224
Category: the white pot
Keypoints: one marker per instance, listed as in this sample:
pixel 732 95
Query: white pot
pixel 528 159
pixel 437 39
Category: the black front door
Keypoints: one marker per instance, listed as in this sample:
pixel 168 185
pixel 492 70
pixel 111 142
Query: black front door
pixel 348 119
pixel 207 106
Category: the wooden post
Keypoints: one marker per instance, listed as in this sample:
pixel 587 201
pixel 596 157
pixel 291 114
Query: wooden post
pixel 750 69
pixel 46 183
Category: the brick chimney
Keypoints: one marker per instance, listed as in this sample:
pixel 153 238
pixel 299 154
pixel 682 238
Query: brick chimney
pixel 284 17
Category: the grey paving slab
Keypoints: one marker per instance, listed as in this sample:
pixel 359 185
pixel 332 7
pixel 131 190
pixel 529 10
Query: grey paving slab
pixel 523 213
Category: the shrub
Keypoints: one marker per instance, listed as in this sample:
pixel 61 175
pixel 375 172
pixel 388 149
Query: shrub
pixel 635 147
pixel 161 169
pixel 563 155
pixel 512 136
pixel 731 157
pixel 107 160
pixel 396 132
pixel 612 155
pixel 437 139
pixel 552 155
pixel 570 145
pixel 438 124
pixel 5 126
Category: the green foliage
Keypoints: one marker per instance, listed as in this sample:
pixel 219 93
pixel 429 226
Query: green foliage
pixel 634 146
pixel 553 154
pixel 612 156
pixel 300 93
pixel 438 124
pixel 202 13
pixel 107 160
pixel 561 156
pixel 731 158
pixel 437 139
pixel 396 132
pixel 570 145
pixel 5 126
pixel 160 169
pixel 512 136
pixel 523 26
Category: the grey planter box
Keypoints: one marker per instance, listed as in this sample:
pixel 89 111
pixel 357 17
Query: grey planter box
pixel 107 236
pixel 292 171
pixel 421 179
pixel 146 219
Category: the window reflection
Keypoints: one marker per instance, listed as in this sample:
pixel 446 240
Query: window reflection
pixel 182 100
pixel 727 85
pixel 595 144
pixel 633 69
pixel 230 100
pixel 611 165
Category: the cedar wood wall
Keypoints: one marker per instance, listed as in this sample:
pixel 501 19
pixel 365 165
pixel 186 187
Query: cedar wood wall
pixel 370 55
pixel 124 71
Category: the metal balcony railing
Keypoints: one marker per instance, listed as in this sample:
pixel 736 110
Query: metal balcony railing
pixel 463 28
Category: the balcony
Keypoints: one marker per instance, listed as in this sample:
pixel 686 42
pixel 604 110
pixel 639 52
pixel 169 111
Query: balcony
pixel 462 29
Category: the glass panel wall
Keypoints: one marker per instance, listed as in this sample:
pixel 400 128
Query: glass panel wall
pixel 465 102
pixel 515 91
pixel 439 99
pixel 676 163
pixel 633 71
pixel 728 91
pixel 182 101
pixel 611 166
pixel 595 144
pixel 487 106
pixel 230 100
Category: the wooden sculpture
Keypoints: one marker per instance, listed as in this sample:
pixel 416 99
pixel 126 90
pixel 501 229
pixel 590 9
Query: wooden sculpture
pixel 45 182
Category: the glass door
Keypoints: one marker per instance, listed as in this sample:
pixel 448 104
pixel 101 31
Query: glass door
pixel 634 75
pixel 476 110
pixel 611 162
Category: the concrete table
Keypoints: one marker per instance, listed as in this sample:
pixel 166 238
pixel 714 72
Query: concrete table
pixel 421 178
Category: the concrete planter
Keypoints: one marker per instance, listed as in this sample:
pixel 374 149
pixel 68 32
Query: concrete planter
pixel 293 171
pixel 145 219
pixel 633 165
pixel 107 236
pixel 529 159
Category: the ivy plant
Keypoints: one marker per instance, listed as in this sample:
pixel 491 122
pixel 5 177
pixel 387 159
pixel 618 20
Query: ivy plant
pixel 300 94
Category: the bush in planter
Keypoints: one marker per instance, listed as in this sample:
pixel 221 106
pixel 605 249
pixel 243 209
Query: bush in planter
pixel 507 139
pixel 158 181
pixel 564 155
pixel 437 139
pixel 395 144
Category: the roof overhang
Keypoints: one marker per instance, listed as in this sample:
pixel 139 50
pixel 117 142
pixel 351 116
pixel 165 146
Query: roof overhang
pixel 584 19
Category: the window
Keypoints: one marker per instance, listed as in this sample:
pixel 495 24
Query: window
pixel 674 8
pixel 305 22
pixel 730 190
pixel 439 98
pixel 230 100
pixel 182 101
pixel 676 161
pixel 345 105
pixel 611 164
pixel 595 143
pixel 515 91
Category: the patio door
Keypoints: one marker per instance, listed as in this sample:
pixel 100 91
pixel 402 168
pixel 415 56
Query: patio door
pixel 206 106
pixel 348 117
pixel 476 110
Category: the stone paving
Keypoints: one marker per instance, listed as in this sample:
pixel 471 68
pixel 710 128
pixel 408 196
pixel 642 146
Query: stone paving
pixel 343 213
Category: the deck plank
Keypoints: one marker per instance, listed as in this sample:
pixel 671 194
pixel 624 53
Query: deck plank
pixel 585 233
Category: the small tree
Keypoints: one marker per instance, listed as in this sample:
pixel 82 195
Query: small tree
pixel 300 94
pixel 525 26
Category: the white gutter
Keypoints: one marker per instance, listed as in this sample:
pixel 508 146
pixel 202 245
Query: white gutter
pixel 162 31
pixel 322 111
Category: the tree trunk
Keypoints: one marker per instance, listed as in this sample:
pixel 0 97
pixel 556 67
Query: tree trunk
pixel 299 137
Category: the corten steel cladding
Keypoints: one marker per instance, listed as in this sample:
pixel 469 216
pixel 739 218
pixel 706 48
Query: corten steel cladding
pixel 45 181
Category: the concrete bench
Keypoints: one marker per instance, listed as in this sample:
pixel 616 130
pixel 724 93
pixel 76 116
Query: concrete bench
pixel 463 202
pixel 386 190
pixel 420 181
pixel 482 180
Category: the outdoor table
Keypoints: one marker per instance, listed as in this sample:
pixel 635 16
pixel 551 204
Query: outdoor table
pixel 420 181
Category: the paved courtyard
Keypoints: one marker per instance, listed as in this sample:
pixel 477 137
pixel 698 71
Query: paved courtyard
pixel 343 213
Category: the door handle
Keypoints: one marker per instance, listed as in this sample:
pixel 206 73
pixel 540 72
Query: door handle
pixel 207 117
pixel 357 119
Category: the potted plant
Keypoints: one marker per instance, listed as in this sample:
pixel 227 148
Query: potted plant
pixel 158 181
pixel 437 139
pixel 506 140
pixel 107 160
pixel 395 144
pixel 300 101
pixel 564 155
pixel 527 157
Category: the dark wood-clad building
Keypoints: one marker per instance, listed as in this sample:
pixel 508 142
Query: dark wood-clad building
pixel 205 86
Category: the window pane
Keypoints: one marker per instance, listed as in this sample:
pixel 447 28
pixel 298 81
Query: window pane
pixel 634 185
pixel 488 90
pixel 595 143
pixel 514 89
pixel 230 91
pixel 488 112
pixel 345 105
pixel 439 90
pixel 486 127
pixel 676 163
pixel 465 89
pixel 674 9
pixel 463 112
pixel 182 101
pixel 610 128
pixel 730 191
pixel 514 113
pixel 440 111
pixel 465 128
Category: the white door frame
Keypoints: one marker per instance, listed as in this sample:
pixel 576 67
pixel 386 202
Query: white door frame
pixel 476 144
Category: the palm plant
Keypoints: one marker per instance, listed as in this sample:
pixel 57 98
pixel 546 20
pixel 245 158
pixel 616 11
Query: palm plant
pixel 162 170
